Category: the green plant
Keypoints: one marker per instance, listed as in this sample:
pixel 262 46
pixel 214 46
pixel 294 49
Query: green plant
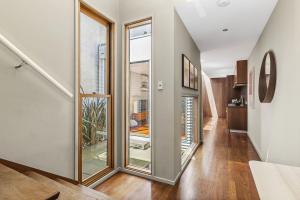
pixel 94 114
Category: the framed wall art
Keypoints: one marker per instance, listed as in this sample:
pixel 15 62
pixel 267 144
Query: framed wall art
pixel 192 76
pixel 196 78
pixel 186 72
pixel 251 89
pixel 189 74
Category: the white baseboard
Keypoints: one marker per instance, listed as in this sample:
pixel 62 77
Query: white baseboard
pixel 166 181
pixel 184 166
pixel 109 175
pixel 255 147
pixel 237 131
pixel 149 177
pixel 146 176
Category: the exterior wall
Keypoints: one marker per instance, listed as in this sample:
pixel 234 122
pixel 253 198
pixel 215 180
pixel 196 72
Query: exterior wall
pixel 274 128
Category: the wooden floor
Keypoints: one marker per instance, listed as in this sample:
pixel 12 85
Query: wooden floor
pixel 219 170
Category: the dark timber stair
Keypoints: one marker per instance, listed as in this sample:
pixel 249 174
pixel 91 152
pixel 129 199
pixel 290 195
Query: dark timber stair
pixel 17 186
pixel 85 190
pixel 33 186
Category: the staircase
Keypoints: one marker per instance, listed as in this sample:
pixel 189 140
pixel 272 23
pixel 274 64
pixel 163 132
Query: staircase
pixel 31 185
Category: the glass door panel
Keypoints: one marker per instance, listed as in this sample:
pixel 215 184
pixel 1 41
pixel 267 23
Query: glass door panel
pixel 95 129
pixel 93 56
pixel 139 97
pixel 94 96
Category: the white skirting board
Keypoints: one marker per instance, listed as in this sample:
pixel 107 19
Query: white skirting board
pixel 275 181
pixel 237 131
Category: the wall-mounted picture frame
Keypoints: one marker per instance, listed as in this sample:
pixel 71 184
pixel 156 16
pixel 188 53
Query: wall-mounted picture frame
pixel 251 88
pixel 185 72
pixel 196 78
pixel 192 76
pixel 189 74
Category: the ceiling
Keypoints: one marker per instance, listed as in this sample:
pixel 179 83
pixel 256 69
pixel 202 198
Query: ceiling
pixel 205 20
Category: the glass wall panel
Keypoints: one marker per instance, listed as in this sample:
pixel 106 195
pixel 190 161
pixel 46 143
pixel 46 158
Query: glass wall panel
pixel 95 135
pixel 94 99
pixel 139 97
pixel 189 128
pixel 93 50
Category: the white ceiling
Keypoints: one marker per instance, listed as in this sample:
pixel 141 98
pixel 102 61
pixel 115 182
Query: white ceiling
pixel 220 50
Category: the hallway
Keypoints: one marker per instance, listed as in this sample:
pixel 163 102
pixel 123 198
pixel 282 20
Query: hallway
pixel 218 170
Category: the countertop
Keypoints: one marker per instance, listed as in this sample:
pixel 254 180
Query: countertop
pixel 235 106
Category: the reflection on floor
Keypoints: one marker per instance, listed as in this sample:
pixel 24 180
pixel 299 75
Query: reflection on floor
pixel 219 170
pixel 94 159
pixel 209 124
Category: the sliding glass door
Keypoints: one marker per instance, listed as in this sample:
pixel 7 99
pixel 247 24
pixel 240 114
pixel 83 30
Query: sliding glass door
pixel 138 96
pixel 95 98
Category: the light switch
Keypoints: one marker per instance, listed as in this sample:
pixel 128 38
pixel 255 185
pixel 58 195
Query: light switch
pixel 160 85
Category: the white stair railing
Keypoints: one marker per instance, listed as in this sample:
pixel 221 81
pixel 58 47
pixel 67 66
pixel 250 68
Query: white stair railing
pixel 33 65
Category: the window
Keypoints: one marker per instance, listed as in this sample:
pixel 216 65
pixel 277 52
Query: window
pixel 95 97
pixel 138 96
pixel 189 126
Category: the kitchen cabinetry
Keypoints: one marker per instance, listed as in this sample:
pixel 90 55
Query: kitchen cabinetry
pixel 237 118
pixel 240 77
pixel 231 92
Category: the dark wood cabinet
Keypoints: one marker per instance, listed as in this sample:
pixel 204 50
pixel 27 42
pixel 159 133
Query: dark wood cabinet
pixel 231 92
pixel 240 77
pixel 237 118
pixel 237 88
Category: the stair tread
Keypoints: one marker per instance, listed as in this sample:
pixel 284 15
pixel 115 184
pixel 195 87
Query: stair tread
pixel 16 186
pixel 66 193
pixel 85 190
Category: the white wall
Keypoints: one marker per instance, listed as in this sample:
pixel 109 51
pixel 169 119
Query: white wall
pixel 162 67
pixel 36 119
pixel 274 128
pixel 108 8
pixel 166 140
pixel 183 44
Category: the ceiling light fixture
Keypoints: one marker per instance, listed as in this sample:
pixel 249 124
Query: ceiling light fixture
pixel 225 30
pixel 223 3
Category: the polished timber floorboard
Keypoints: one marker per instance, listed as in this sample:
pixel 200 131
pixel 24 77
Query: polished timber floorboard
pixel 218 170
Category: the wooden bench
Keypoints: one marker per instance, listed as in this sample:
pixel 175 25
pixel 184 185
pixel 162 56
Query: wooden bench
pixel 275 181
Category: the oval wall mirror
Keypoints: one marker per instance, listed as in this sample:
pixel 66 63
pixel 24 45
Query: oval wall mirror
pixel 267 78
